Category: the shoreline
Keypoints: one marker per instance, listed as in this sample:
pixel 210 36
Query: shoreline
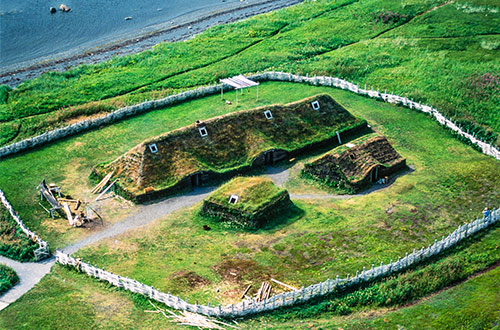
pixel 182 31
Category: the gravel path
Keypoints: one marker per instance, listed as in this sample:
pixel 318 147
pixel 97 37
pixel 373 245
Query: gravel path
pixel 30 273
pixel 145 215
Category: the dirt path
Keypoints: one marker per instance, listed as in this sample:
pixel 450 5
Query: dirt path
pixel 280 175
pixel 145 215
pixel 31 273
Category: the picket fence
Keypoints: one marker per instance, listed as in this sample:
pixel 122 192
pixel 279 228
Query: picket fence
pixel 43 247
pixel 288 298
pixel 128 111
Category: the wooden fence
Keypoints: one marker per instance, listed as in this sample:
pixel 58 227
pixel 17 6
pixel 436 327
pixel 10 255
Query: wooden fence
pixel 128 111
pixel 287 298
pixel 43 247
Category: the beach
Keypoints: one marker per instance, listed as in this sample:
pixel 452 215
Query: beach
pixel 177 25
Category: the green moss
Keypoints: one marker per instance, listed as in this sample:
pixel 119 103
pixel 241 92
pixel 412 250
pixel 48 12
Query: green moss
pixel 235 142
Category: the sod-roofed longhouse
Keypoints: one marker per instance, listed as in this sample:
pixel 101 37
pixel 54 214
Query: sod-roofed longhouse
pixel 226 145
pixel 247 202
pixel 357 164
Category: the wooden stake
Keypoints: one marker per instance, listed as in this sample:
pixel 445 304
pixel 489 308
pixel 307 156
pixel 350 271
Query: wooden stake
pixel 246 291
pixel 103 182
pixel 285 285
pixel 44 208
pixel 68 213
pixel 106 190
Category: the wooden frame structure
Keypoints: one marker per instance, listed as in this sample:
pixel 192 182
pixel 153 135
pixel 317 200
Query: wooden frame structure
pixel 238 82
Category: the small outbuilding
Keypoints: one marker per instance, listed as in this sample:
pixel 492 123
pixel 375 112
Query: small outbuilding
pixel 248 202
pixel 357 164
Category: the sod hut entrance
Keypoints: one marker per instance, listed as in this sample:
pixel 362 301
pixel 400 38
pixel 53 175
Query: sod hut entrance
pixel 246 202
pixel 357 164
pixel 196 180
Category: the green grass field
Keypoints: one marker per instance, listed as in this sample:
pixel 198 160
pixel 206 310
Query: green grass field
pixel 443 53
pixel 65 299
pixel 448 184
pixel 436 52
pixel 320 238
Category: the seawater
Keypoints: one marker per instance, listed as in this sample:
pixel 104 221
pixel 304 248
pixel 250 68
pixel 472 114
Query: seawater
pixel 29 32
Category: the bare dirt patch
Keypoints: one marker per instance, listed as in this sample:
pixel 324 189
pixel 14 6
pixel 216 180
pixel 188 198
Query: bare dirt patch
pixel 189 279
pixel 240 270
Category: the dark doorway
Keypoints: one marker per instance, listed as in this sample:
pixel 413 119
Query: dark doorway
pixel 196 180
pixel 374 174
pixel 269 158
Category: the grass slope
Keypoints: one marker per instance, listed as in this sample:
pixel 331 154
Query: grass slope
pixel 443 53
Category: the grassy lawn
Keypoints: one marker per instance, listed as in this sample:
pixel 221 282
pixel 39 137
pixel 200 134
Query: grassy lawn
pixel 452 181
pixel 442 53
pixel 65 299
pixel 69 162
pixel 433 51
pixel 319 238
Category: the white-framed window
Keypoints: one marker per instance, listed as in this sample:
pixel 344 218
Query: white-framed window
pixel 153 148
pixel 315 105
pixel 268 114
pixel 233 199
pixel 203 131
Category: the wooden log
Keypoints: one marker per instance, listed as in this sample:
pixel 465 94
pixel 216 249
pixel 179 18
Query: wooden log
pixel 68 213
pixel 106 190
pixel 246 291
pixel 67 200
pixel 284 285
pixel 268 292
pixel 101 184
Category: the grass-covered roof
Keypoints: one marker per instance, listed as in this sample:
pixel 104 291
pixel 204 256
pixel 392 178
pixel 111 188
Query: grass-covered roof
pixel 233 141
pixel 352 162
pixel 253 193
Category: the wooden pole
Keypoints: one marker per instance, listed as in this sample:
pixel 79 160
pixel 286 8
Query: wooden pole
pixel 285 285
pixel 106 190
pixel 246 291
pixel 44 208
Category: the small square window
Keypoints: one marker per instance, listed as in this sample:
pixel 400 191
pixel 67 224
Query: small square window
pixel 203 131
pixel 233 199
pixel 268 114
pixel 153 148
pixel 315 105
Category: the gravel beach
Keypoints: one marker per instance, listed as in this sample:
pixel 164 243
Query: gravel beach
pixel 180 28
